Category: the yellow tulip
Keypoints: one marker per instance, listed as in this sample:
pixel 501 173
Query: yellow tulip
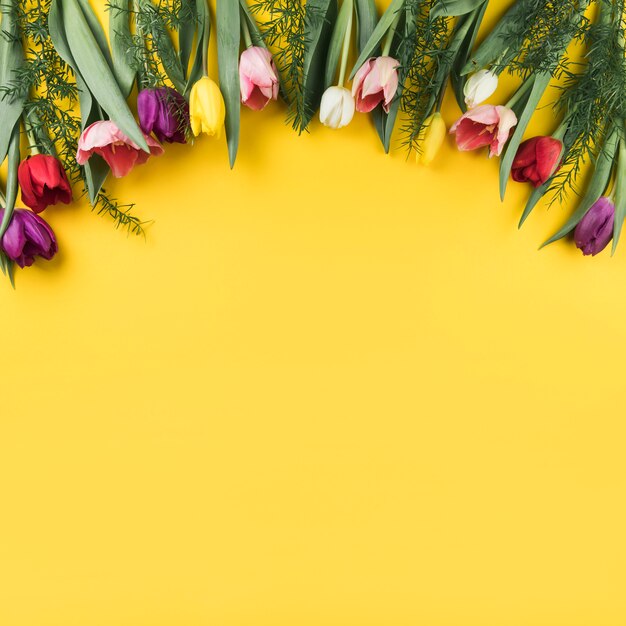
pixel 206 108
pixel 432 136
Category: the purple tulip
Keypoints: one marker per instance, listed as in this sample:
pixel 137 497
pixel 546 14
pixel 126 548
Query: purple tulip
pixel 595 230
pixel 164 112
pixel 27 237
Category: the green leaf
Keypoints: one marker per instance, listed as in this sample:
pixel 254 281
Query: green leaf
pixel 384 24
pixel 97 31
pixel 202 44
pixel 12 186
pixel 228 42
pixel 366 20
pixel 620 194
pixel 540 82
pixel 466 29
pixel 493 45
pixel 11 58
pixel 336 41
pixel 253 27
pixel 597 186
pixel 454 7
pixel 186 34
pixel 119 34
pixel 166 50
pixel 95 171
pixel 96 72
pixel 318 25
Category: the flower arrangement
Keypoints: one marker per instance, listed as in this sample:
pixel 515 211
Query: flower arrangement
pixel 67 123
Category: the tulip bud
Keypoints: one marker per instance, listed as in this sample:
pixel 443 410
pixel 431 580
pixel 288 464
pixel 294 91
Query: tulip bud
pixel 595 230
pixel 479 87
pixel 207 108
pixel 43 181
pixel 376 82
pixel 536 160
pixel 258 78
pixel 432 137
pixel 337 107
pixel 164 112
pixel 27 237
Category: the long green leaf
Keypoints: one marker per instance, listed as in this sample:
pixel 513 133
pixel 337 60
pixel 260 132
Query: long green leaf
pixel 467 28
pixel 97 31
pixel 96 72
pixel 620 194
pixel 119 34
pixel 12 186
pixel 186 34
pixel 95 170
pixel 228 42
pixel 336 41
pixel 202 43
pixel 366 20
pixel 318 25
pixel 596 187
pixel 384 24
pixel 11 58
pixel 539 85
pixel 454 7
pixel 163 42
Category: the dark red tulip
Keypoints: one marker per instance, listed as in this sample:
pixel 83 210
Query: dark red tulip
pixel 536 160
pixel 43 182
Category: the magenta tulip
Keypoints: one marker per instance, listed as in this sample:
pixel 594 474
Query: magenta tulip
pixel 164 112
pixel 485 125
pixel 376 82
pixel 27 237
pixel 121 153
pixel 595 230
pixel 258 77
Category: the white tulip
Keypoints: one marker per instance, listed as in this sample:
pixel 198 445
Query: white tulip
pixel 337 107
pixel 479 87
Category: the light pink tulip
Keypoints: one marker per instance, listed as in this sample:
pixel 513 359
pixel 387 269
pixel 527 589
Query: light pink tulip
pixel 121 153
pixel 485 125
pixel 375 82
pixel 258 77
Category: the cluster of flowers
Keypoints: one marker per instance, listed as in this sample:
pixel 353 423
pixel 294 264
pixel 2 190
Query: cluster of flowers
pixel 164 115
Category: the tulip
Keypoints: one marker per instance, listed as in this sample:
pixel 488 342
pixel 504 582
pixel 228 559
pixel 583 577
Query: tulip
pixel 28 236
pixel 486 125
pixel 595 230
pixel 164 112
pixel 43 182
pixel 536 160
pixel 479 87
pixel 336 107
pixel 121 153
pixel 375 82
pixel 258 77
pixel 207 108
pixel 432 137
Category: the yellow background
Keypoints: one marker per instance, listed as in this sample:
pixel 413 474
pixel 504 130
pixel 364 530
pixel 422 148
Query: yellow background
pixel 330 389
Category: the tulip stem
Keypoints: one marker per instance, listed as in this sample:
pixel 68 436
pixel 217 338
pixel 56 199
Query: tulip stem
pixel 32 140
pixel 346 44
pixel 391 34
pixel 246 31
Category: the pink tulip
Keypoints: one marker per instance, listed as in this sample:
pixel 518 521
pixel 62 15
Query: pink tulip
pixel 121 153
pixel 258 77
pixel 485 125
pixel 375 82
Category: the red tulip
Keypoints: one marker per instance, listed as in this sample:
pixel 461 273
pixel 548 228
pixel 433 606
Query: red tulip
pixel 44 182
pixel 536 160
